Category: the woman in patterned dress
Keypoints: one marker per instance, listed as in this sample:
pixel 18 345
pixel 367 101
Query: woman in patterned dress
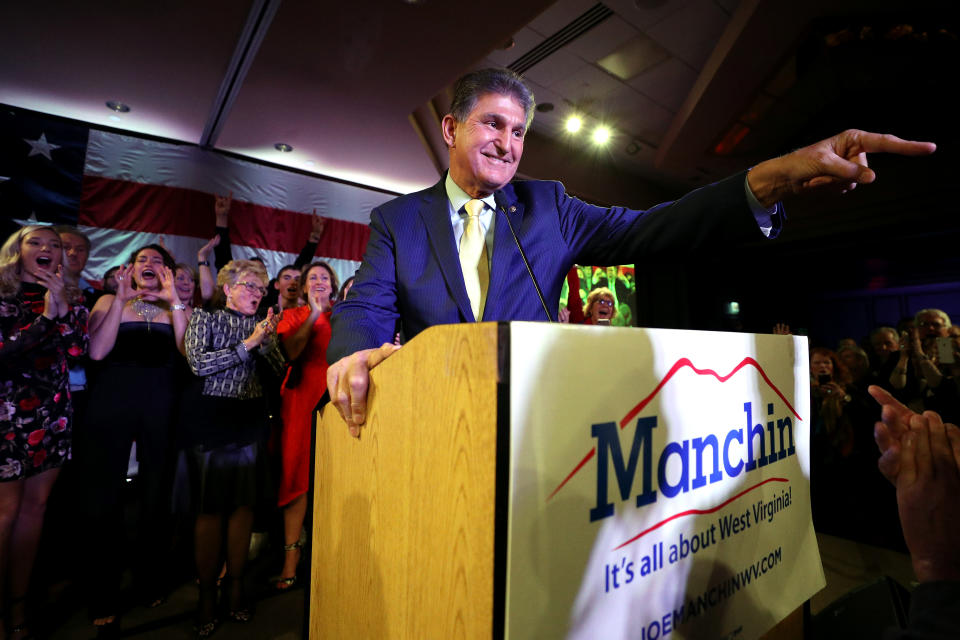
pixel 227 425
pixel 39 328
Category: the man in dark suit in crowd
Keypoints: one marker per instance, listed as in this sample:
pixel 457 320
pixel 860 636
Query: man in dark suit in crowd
pixel 448 254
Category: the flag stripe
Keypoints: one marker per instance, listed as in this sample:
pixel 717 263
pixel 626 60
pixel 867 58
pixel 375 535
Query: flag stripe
pixel 132 206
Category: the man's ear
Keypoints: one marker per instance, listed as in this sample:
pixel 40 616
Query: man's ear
pixel 448 127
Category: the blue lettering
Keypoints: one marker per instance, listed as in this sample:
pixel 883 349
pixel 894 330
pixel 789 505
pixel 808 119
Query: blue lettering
pixel 608 444
pixel 682 450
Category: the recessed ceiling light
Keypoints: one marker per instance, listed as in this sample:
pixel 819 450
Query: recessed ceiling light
pixel 573 124
pixel 283 146
pixel 544 107
pixel 119 107
pixel 601 135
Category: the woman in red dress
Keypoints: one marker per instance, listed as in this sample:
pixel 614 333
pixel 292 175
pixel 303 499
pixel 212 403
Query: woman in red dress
pixel 305 332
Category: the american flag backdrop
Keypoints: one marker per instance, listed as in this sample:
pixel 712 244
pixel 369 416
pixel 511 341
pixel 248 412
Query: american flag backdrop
pixel 125 191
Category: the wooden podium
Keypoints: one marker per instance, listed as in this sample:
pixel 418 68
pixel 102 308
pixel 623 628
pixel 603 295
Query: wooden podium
pixel 410 525
pixel 405 524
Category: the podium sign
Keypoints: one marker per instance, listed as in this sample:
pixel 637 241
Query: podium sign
pixel 659 483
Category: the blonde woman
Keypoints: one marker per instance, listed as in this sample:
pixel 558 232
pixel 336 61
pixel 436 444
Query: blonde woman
pixel 601 307
pixel 39 329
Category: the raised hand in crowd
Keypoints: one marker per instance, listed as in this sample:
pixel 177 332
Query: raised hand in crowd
pixel 203 254
pixel 782 329
pixel 318 224
pixel 896 420
pixel 221 208
pixel 208 283
pixel 928 496
pixel 55 302
pixel 125 289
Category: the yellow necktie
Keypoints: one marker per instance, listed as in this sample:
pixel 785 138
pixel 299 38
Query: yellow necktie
pixel 473 258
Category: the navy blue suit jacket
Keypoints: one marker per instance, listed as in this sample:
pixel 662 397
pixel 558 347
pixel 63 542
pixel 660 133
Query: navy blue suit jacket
pixel 410 276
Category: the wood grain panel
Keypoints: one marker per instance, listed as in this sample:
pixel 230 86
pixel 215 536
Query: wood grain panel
pixel 403 539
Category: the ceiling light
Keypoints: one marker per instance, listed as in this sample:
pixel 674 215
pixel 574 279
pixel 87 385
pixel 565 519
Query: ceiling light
pixel 573 124
pixel 283 147
pixel 601 135
pixel 117 106
pixel 544 107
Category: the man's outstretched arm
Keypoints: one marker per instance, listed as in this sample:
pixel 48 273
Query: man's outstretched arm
pixel 838 163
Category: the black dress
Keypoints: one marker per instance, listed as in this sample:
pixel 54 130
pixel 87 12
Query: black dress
pixel 132 398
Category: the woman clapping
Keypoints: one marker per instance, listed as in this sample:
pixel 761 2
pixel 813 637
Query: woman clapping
pixel 226 419
pixel 305 332
pixel 39 328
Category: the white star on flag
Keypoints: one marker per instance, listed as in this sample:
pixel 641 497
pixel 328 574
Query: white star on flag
pixel 41 147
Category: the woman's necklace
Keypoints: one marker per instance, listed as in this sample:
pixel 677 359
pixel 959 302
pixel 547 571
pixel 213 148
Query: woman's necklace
pixel 146 310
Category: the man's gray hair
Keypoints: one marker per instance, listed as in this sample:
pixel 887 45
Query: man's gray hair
pixel 880 330
pixel 470 87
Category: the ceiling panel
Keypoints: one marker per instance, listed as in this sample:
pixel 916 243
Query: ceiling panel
pixel 602 39
pixel 560 14
pixel 343 95
pixel 165 60
pixel 555 69
pixel 692 32
pixel 667 84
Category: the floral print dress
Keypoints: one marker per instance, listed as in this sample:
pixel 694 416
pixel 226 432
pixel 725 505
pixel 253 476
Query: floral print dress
pixel 36 415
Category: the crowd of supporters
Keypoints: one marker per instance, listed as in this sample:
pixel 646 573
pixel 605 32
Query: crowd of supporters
pixel 918 363
pixel 210 373
pixel 194 383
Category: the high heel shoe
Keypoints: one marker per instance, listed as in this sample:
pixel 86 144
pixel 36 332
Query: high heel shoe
pixel 232 596
pixel 283 584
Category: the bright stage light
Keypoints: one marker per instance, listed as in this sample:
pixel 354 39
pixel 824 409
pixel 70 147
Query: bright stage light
pixel 573 124
pixel 601 135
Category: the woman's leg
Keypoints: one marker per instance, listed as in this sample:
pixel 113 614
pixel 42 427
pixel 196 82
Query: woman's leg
pixel 10 495
pixel 206 540
pixel 239 529
pixel 25 538
pixel 293 515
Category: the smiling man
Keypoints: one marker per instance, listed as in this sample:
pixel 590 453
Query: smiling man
pixel 447 254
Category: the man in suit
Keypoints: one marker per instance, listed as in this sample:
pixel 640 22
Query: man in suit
pixel 415 273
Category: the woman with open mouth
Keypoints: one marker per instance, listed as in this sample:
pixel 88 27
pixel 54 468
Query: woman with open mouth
pixel 137 333
pixel 226 419
pixel 600 308
pixel 305 332
pixel 39 330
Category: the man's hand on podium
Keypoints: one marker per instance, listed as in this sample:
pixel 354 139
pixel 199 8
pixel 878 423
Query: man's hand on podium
pixel 348 379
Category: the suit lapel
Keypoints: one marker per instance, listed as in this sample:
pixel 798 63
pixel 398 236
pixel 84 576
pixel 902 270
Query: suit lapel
pixel 435 213
pixel 506 257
